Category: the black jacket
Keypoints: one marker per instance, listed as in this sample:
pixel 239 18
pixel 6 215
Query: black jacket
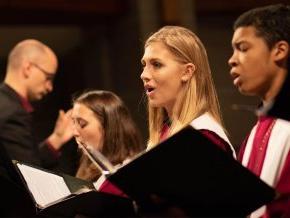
pixel 16 133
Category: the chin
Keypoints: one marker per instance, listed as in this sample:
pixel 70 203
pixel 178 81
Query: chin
pixel 35 98
pixel 247 92
pixel 154 104
pixel 40 96
pixel 243 92
pixel 32 99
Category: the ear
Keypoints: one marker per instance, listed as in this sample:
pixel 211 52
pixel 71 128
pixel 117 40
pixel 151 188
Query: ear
pixel 188 72
pixel 26 69
pixel 281 51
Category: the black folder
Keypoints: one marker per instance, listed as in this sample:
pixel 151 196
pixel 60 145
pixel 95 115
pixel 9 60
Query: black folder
pixel 15 200
pixel 191 173
pixel 89 203
pixel 18 201
pixel 13 193
pixel 92 204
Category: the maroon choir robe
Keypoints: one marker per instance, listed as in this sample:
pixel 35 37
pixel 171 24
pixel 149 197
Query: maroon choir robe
pixel 266 152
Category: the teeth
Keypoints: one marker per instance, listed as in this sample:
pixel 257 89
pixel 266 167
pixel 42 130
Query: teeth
pixel 149 89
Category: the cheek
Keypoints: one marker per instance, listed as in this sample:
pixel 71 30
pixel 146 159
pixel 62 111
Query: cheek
pixel 98 141
pixel 168 94
pixel 169 90
pixel 256 63
pixel 254 84
pixel 172 87
pixel 37 81
pixel 170 80
pixel 256 73
pixel 93 137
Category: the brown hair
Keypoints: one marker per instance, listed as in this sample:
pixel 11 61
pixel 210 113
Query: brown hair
pixel 121 138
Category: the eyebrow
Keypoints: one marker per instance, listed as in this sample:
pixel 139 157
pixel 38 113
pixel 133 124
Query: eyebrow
pixel 238 43
pixel 50 76
pixel 151 59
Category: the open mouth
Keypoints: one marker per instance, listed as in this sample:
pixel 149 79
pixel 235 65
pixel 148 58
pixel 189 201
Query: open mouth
pixel 149 90
pixel 236 78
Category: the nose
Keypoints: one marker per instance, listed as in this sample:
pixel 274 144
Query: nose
pixel 232 61
pixel 75 131
pixel 49 86
pixel 145 75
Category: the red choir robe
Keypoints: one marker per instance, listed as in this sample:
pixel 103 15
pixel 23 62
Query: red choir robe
pixel 266 152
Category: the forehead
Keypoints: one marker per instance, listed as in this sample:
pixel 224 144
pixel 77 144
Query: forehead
pixel 49 61
pixel 157 50
pixel 81 110
pixel 248 33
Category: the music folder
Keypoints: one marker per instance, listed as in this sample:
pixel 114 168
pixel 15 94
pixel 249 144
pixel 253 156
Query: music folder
pixel 56 195
pixel 188 171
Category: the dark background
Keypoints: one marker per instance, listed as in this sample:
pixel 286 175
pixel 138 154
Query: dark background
pixel 99 44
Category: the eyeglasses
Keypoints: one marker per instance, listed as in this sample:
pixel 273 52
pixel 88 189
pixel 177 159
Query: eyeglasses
pixel 49 76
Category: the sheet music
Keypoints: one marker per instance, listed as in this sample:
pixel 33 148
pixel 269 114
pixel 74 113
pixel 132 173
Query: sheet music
pixel 45 187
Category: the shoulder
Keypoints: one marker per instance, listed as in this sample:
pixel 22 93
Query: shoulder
pixel 10 104
pixel 220 142
pixel 214 131
pixel 281 131
pixel 206 122
pixel 282 125
pixel 8 98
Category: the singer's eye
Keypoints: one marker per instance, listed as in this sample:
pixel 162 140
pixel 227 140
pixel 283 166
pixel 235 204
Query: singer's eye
pixel 81 123
pixel 156 64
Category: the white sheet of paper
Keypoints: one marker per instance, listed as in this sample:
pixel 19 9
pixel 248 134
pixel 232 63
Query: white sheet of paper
pixel 45 187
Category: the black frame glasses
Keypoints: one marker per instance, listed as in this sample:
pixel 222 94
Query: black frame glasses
pixel 48 75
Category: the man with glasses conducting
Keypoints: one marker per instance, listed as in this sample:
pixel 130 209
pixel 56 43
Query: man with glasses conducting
pixel 29 77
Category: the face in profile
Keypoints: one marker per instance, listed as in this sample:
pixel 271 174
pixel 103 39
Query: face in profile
pixel 252 64
pixel 88 130
pixel 161 76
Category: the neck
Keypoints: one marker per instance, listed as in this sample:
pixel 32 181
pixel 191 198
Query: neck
pixel 275 86
pixel 172 110
pixel 15 85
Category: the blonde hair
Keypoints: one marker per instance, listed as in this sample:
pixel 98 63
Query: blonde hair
pixel 198 95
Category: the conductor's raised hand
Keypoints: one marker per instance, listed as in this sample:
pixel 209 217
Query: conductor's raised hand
pixel 63 130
